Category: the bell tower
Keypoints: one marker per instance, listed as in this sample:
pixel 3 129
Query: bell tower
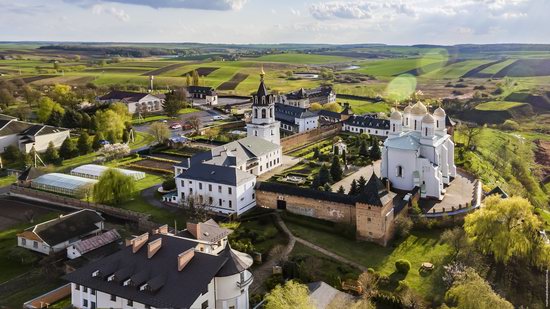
pixel 263 124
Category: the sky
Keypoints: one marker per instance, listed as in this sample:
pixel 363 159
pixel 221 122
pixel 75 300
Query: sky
pixel 402 22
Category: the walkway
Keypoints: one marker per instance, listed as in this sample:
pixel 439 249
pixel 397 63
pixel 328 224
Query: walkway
pixel 149 195
pixel 365 171
pixel 266 269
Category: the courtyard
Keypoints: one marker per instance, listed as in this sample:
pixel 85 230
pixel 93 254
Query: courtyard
pixel 460 192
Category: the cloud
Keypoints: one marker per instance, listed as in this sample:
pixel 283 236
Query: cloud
pixel 120 14
pixel 213 5
pixel 349 10
pixel 23 9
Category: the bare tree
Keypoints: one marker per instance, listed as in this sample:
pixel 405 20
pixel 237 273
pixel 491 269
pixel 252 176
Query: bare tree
pixel 197 207
pixel 471 131
pixel 195 123
pixel 160 131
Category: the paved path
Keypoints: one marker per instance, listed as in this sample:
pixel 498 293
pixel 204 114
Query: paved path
pixel 365 171
pixel 266 269
pixel 149 196
pixel 288 161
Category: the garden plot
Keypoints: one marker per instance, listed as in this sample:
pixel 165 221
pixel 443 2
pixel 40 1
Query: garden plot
pixel 152 165
pixel 202 71
pixel 233 82
pixel 164 69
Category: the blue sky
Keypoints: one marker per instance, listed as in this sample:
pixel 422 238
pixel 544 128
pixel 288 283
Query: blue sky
pixel 278 21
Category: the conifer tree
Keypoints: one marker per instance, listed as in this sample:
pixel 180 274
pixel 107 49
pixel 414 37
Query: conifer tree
pixel 375 150
pixel 362 183
pixel 341 190
pixel 353 189
pixel 336 169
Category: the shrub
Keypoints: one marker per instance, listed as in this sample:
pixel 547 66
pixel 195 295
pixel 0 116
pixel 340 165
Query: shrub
pixel 403 266
pixel 169 184
pixel 403 226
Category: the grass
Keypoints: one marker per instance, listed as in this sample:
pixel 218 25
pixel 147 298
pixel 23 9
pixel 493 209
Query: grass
pixel 7 180
pixel 188 110
pixel 417 248
pixel 495 68
pixel 8 240
pixel 360 107
pixel 455 70
pixel 136 121
pixel 498 105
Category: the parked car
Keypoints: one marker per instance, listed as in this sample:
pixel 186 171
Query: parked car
pixel 163 121
pixel 217 117
pixel 175 126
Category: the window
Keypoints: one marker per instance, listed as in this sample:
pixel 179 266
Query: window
pixel 399 171
pixel 229 190
pixel 183 183
pixel 92 305
pixel 230 204
pixel 255 132
pixel 210 187
pixel 35 244
pixel 183 195
pixel 264 114
pixel 204 305
pixel 220 202
pixel 23 242
pixel 113 297
pixel 255 113
pixel 85 290
pixel 200 185
pixel 368 219
pixel 190 191
pixel 437 123
pixel 219 189
pixel 92 291
pixel 210 200
pixel 77 287
pixel 130 302
pixel 426 131
pixel 253 195
pixel 84 303
pixel 415 124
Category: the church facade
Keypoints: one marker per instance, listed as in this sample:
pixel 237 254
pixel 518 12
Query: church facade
pixel 224 178
pixel 419 152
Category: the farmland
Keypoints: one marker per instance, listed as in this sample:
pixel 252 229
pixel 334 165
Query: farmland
pixel 497 105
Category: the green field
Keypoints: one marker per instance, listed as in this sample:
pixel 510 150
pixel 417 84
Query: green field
pixel 455 70
pixel 498 106
pixel 302 58
pixel 495 68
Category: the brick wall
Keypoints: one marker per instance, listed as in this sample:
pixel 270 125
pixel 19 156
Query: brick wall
pixel 373 224
pixel 320 209
pixel 297 140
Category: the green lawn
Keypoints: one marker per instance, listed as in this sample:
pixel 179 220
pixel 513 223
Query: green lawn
pixel 188 110
pixel 361 107
pixel 417 248
pixel 7 180
pixel 497 105
pixel 495 68
pixel 149 119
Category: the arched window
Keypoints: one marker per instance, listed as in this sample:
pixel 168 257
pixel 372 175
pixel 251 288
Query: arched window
pixel 264 113
pixel 399 171
pixel 271 112
pixel 255 113
pixel 437 123
pixel 426 131
pixel 415 124
pixel 393 127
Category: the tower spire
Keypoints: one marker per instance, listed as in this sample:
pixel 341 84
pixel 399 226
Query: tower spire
pixel 262 73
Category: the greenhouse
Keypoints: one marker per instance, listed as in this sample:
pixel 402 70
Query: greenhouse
pixel 94 171
pixel 63 184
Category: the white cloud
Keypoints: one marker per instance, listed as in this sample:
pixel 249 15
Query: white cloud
pixel 295 12
pixel 214 5
pixel 120 14
pixel 350 10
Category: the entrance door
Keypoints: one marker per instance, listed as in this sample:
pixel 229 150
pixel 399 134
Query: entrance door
pixel 281 204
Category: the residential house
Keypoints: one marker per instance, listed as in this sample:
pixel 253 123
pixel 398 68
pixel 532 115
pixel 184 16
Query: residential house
pixel 161 270
pixel 25 135
pixel 202 94
pixel 295 119
pixel 56 235
pixel 137 102
pixel 305 97
pixel 369 123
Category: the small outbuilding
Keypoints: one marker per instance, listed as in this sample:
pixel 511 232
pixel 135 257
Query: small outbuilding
pixel 63 184
pixel 94 171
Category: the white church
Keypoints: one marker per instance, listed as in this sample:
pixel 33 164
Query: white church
pixel 224 178
pixel 418 151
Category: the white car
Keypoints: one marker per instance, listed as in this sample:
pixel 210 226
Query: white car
pixel 175 126
pixel 218 117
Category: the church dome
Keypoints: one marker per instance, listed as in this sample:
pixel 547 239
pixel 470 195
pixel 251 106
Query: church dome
pixel 439 112
pixel 419 109
pixel 428 119
pixel 408 109
pixel 396 115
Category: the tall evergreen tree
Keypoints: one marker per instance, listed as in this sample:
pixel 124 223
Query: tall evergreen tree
pixel 196 78
pixel 324 175
pixel 173 104
pixel 96 144
pixel 354 188
pixel 71 118
pixel 336 169
pixel 361 184
pixel 344 159
pixel 83 144
pixel 363 151
pixel 67 149
pixel 327 187
pixel 85 121
pixel 51 155
pixel 55 118
pixel 341 190
pixel 375 153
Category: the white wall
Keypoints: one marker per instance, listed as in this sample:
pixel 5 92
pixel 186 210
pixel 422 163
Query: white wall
pixel 30 244
pixel 371 131
pixel 101 299
pixel 41 142
pixel 407 160
pixel 7 140
pixel 228 293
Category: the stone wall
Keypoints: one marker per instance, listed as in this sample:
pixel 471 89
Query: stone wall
pixel 375 223
pixel 297 140
pixel 320 209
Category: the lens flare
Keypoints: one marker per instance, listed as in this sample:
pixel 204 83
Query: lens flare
pixel 401 87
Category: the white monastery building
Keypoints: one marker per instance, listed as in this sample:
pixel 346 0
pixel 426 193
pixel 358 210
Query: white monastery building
pixel 418 151
pixel 163 270
pixel 136 102
pixel 224 178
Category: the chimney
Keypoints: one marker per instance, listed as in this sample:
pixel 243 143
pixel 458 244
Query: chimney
pixel 185 257
pixel 153 247
pixel 194 229
pixel 139 241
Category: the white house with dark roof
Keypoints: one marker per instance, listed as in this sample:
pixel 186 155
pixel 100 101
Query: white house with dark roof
pixel 418 151
pixel 203 94
pixel 296 119
pixel 223 178
pixel 305 97
pixel 135 101
pixel 25 135
pixel 369 123
pixel 162 270
pixel 58 234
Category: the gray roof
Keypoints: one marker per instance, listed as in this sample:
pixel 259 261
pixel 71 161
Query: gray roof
pixel 124 95
pixel 68 227
pixel 226 175
pixel 368 121
pixel 167 287
pixel 289 113
pixel 405 142
pixel 258 146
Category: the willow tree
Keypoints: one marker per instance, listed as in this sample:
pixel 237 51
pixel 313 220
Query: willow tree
pixel 291 295
pixel 507 229
pixel 113 187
